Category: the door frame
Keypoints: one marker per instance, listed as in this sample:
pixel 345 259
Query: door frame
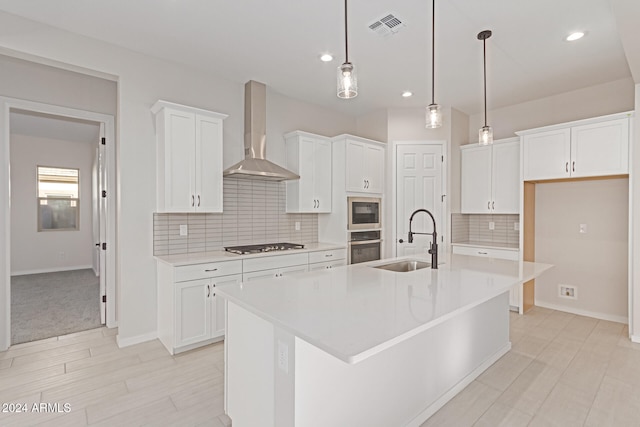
pixel 6 105
pixel 391 249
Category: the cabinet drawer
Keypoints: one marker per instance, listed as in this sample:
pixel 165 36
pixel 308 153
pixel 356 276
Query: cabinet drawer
pixel 487 252
pixel 330 255
pixel 272 262
pixel 327 265
pixel 210 269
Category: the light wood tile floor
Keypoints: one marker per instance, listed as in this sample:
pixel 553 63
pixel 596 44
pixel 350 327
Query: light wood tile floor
pixel 563 370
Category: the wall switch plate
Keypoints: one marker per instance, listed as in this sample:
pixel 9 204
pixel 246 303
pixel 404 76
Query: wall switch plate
pixel 583 228
pixel 492 225
pixel 283 357
pixel 297 225
pixel 184 231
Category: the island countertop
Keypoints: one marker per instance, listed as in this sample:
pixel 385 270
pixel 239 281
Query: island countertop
pixel 356 311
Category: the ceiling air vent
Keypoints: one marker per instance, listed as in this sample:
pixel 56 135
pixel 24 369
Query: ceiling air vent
pixel 386 26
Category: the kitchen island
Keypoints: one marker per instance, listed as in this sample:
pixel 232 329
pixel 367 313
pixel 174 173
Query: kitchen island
pixel 359 345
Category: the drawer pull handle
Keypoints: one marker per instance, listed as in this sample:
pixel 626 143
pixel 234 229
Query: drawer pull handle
pixel 483 253
pixel 328 255
pixel 209 271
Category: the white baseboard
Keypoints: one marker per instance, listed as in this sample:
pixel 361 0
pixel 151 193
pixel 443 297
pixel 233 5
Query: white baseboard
pixel 50 270
pixel 635 338
pixel 587 313
pixel 126 342
pixel 453 391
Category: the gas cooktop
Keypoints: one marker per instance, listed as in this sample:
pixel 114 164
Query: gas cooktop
pixel 268 247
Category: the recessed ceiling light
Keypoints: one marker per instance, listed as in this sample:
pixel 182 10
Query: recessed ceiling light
pixel 407 94
pixel 326 58
pixel 575 36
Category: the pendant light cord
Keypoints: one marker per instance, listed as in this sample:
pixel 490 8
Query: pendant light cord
pixel 484 55
pixel 346 39
pixel 433 52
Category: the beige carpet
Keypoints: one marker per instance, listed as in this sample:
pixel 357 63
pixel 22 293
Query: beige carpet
pixel 52 304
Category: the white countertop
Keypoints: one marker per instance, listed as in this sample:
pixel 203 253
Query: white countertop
pixel 356 311
pixel 217 256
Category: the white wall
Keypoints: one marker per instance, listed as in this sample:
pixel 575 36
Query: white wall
pixel 634 324
pixel 607 98
pixel 595 262
pixel 33 251
pixel 374 125
pixel 142 80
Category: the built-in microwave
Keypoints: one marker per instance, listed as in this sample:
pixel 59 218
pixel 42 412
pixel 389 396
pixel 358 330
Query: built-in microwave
pixel 364 213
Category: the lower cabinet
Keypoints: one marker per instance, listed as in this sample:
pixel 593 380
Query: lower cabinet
pixel 323 260
pixel 515 296
pixel 190 313
pixel 273 273
pixel 269 267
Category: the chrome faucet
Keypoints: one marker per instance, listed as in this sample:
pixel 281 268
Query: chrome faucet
pixel 433 250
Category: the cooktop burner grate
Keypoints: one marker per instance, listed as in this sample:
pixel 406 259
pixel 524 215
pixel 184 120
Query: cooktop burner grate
pixel 268 247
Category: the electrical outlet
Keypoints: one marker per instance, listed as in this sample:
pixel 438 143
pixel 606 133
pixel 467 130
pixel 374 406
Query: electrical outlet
pixel 516 226
pixel 283 357
pixel 567 291
pixel 583 228
pixel 492 225
pixel 297 225
pixel 184 230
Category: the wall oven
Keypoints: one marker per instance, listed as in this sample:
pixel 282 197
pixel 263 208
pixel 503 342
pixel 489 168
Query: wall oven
pixel 364 213
pixel 364 246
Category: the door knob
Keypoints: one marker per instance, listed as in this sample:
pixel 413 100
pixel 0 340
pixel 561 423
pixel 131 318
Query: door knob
pixel 400 241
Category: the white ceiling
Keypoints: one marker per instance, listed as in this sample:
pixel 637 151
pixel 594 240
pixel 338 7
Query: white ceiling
pixel 279 42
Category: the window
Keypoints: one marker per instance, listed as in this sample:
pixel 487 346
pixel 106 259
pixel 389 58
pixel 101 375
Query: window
pixel 58 203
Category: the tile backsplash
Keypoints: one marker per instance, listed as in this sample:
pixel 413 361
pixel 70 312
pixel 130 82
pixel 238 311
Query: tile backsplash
pixel 253 212
pixel 474 228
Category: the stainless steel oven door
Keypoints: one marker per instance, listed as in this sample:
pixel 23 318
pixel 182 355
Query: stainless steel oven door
pixel 364 213
pixel 363 251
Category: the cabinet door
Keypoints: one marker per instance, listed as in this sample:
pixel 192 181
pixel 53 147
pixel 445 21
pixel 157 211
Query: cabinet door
pixel 476 180
pixel 318 266
pixel 547 155
pixel 179 161
pixel 193 313
pixel 285 271
pixel 208 164
pixel 374 168
pixel 218 303
pixel 261 275
pixel 355 157
pixel 505 178
pixel 322 175
pixel 600 149
pixel 307 170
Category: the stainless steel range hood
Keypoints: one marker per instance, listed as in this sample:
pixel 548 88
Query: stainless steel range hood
pixel 255 165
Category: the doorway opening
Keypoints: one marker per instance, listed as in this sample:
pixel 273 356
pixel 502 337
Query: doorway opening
pixel 57 270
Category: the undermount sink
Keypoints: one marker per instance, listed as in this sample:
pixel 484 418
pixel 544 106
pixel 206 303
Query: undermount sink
pixel 404 266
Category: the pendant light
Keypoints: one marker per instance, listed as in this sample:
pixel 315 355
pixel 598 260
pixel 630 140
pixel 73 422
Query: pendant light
pixel 485 134
pixel 347 79
pixel 434 115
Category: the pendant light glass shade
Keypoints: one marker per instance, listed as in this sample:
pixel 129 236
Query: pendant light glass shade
pixel 434 116
pixel 347 81
pixel 485 134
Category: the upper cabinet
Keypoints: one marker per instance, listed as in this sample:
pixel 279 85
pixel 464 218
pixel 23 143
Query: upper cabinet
pixel 189 158
pixel 490 177
pixel 588 148
pixel 364 161
pixel 309 156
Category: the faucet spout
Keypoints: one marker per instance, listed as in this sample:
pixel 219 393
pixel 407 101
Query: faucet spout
pixel 433 248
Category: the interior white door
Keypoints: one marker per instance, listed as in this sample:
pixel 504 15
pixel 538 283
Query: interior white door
pixel 418 186
pixel 102 221
pixel 95 212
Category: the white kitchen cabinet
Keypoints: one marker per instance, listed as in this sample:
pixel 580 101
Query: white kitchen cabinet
pixel 269 267
pixel 323 260
pixel 490 178
pixel 309 156
pixel 364 161
pixel 588 148
pixel 189 158
pixel 190 314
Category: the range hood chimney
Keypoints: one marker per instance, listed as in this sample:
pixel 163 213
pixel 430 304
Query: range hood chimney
pixel 255 165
